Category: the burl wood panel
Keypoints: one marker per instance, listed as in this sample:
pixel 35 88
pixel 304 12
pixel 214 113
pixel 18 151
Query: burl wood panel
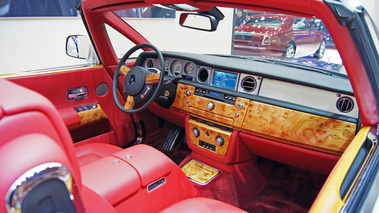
pixel 124 70
pixel 210 116
pixel 199 172
pixel 299 128
pixel 152 78
pixel 90 116
pixel 190 103
pixel 179 97
pixel 211 139
pixel 129 102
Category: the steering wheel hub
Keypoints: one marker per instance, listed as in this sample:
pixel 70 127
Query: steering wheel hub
pixel 135 81
pixel 141 85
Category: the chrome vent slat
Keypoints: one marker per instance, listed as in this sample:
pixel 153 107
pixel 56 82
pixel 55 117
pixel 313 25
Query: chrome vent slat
pixel 249 84
pixel 345 104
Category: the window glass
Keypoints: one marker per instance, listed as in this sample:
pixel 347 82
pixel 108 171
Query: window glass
pixel 269 22
pixel 30 39
pixel 250 33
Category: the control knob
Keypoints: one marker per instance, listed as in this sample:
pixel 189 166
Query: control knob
pixel 219 141
pixel 196 132
pixel 211 106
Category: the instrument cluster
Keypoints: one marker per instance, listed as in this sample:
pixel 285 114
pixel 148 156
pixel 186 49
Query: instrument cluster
pixel 175 67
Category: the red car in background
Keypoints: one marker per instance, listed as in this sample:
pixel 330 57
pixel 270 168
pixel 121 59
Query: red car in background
pixel 279 35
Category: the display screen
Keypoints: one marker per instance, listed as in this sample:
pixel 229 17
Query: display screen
pixel 215 94
pixel 225 80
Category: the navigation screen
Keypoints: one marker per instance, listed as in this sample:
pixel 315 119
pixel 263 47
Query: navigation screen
pixel 225 80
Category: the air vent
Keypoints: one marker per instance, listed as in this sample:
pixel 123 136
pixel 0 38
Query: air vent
pixel 345 104
pixel 203 75
pixel 249 84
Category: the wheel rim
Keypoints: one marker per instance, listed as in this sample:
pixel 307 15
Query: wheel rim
pixel 290 51
pixel 322 48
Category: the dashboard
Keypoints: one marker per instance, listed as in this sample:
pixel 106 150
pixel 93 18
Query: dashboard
pixel 286 104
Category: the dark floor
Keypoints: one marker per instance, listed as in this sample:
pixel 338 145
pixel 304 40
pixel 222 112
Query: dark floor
pixel 180 150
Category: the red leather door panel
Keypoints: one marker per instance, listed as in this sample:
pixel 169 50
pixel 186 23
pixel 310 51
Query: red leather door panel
pixel 117 128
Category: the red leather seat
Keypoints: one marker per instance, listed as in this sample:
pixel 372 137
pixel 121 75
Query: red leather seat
pixel 33 134
pixel 87 153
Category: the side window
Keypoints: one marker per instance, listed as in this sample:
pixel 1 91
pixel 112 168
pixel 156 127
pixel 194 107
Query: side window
pixel 300 24
pixel 120 43
pixel 42 48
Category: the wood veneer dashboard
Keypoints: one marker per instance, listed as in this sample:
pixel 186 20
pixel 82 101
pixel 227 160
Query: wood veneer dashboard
pixel 282 103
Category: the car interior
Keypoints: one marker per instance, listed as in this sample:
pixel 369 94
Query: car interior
pixel 172 131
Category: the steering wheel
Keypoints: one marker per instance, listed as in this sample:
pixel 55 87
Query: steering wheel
pixel 141 85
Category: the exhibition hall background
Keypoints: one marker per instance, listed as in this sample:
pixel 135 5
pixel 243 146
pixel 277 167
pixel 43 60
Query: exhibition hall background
pixel 46 36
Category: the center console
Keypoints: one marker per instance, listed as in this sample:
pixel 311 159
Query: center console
pixel 209 136
pixel 213 121
pixel 129 177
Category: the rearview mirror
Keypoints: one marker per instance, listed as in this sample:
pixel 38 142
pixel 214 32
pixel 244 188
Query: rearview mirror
pixel 198 21
pixel 77 46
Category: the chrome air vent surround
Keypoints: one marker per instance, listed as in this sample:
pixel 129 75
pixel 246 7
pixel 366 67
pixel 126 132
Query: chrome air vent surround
pixel 345 104
pixel 203 75
pixel 249 84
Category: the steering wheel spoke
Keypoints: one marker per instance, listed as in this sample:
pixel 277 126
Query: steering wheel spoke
pixel 152 78
pixel 137 81
pixel 124 70
pixel 129 104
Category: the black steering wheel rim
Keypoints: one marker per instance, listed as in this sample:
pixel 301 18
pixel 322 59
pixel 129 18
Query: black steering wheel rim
pixel 117 74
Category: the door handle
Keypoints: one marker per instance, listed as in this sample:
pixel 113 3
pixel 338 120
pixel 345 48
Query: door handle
pixel 77 93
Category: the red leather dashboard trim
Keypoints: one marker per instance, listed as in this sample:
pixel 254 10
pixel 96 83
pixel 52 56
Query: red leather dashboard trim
pixel 177 118
pixel 289 154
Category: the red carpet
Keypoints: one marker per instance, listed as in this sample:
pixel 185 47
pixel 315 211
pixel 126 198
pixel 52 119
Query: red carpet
pixel 270 187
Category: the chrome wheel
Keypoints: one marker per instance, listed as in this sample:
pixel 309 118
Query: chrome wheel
pixel 321 50
pixel 290 51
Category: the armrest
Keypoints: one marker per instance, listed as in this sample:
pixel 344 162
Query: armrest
pixel 147 161
pixel 111 178
pixel 69 116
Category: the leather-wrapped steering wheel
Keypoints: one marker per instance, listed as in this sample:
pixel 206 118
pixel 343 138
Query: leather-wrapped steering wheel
pixel 141 85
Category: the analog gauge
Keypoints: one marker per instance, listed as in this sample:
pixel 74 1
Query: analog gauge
pixel 176 67
pixel 150 63
pixel 166 64
pixel 189 68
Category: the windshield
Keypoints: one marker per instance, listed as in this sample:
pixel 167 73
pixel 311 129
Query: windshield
pixel 252 34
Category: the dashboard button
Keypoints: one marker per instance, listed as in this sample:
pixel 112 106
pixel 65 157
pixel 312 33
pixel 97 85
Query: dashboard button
pixel 196 132
pixel 210 106
pixel 219 141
